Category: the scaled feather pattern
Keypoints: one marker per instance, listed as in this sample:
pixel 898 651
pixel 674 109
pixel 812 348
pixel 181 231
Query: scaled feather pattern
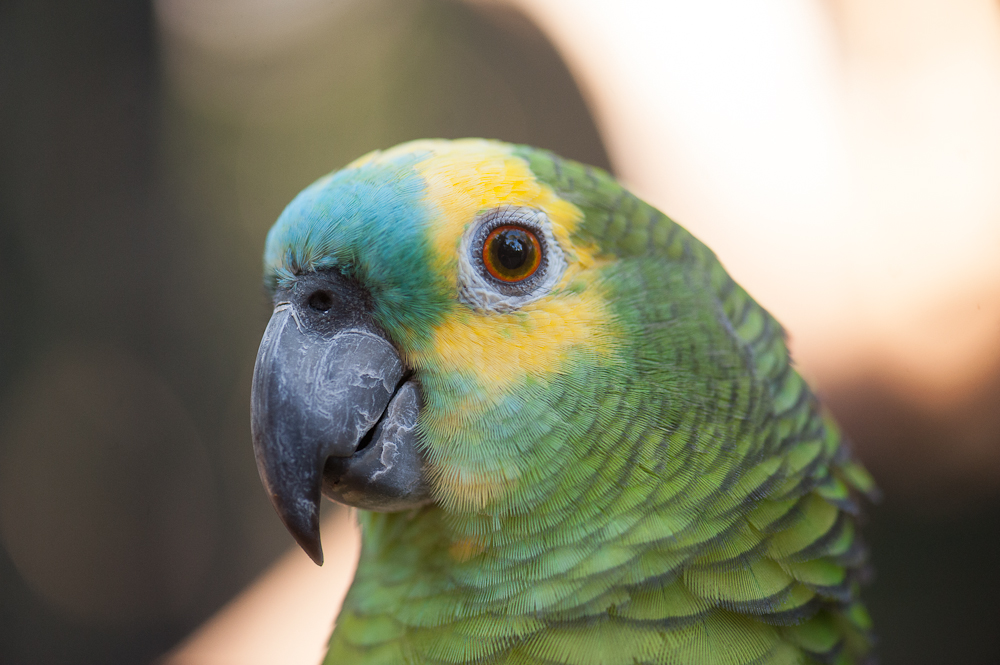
pixel 626 468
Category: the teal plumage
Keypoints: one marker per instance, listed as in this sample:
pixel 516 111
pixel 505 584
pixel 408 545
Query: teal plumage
pixel 626 470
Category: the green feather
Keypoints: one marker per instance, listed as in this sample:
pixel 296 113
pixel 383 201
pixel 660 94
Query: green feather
pixel 682 500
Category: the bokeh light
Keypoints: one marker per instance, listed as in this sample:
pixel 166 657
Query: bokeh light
pixel 86 523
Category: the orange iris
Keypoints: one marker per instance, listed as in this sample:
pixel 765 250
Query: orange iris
pixel 512 253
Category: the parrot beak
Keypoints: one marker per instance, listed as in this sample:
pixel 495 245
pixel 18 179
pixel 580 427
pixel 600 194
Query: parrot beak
pixel 332 410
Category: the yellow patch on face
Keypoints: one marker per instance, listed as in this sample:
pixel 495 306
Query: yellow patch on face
pixel 469 176
pixel 493 351
pixel 503 348
pixel 474 176
pixel 463 181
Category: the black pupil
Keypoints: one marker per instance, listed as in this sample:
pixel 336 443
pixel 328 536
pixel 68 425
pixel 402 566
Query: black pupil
pixel 512 248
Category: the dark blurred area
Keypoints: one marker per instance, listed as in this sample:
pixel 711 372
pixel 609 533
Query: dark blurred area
pixel 132 220
pixel 139 172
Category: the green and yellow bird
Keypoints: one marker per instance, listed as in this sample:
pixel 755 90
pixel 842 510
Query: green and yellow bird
pixel 573 438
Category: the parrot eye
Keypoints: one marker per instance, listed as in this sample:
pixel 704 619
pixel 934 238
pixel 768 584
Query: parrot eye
pixel 508 258
pixel 512 253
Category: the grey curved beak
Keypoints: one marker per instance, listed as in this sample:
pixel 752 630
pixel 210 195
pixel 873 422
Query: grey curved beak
pixel 331 413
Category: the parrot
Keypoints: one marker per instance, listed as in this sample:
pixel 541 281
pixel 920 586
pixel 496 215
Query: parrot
pixel 569 435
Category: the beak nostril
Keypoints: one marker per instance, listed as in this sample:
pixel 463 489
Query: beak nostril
pixel 320 301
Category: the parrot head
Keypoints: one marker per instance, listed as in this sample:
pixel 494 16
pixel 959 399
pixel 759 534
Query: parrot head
pixel 433 302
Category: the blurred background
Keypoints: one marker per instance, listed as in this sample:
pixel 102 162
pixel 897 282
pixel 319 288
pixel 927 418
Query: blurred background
pixel 841 156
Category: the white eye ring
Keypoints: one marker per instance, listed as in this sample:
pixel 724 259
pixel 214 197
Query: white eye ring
pixel 483 292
